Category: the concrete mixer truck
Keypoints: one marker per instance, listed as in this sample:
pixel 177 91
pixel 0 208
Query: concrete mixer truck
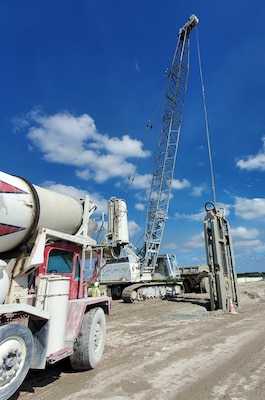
pixel 45 312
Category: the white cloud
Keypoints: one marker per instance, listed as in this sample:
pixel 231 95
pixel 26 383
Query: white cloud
pixel 20 123
pixel 224 208
pixel 84 174
pixel 141 181
pixel 197 190
pixel 244 233
pixel 247 245
pixel 133 228
pixel 192 217
pixel 144 182
pixel 250 208
pixel 170 246
pixel 136 65
pixel 140 206
pixel 250 250
pixel 254 162
pixel 74 140
pixel 124 147
pixel 180 184
pixel 195 242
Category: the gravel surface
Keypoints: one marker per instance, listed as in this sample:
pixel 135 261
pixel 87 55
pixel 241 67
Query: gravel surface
pixel 159 349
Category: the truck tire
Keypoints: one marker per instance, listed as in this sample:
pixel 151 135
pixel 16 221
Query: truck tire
pixel 16 349
pixel 90 343
pixel 187 286
pixel 204 285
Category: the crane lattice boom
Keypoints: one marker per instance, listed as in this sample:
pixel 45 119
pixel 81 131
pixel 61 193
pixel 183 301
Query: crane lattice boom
pixel 160 191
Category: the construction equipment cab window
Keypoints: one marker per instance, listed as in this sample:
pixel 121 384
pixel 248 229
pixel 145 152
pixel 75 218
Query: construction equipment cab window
pixel 61 262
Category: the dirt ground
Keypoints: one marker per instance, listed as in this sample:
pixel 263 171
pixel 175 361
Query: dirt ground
pixel 159 349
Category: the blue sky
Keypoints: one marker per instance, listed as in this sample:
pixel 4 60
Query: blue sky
pixel 80 80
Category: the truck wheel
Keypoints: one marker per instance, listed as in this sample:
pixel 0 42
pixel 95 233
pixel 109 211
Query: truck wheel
pixel 16 349
pixel 187 286
pixel 90 343
pixel 204 284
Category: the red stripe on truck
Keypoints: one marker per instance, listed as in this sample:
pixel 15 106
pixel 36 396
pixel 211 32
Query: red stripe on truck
pixel 7 229
pixel 7 188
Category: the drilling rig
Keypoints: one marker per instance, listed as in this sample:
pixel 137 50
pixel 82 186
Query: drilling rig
pixel 220 259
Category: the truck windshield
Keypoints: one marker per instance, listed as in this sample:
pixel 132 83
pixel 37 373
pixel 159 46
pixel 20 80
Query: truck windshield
pixel 60 262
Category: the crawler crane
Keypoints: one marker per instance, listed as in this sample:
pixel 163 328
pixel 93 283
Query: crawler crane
pixel 146 274
pixel 133 276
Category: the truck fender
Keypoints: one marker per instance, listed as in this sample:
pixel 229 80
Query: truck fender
pixel 78 308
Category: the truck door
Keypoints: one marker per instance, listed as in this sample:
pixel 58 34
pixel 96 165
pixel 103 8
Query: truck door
pixel 66 263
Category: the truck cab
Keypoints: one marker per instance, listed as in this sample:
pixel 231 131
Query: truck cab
pixel 64 259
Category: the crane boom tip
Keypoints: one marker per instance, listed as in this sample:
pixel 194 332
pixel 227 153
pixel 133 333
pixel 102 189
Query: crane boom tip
pixel 190 24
